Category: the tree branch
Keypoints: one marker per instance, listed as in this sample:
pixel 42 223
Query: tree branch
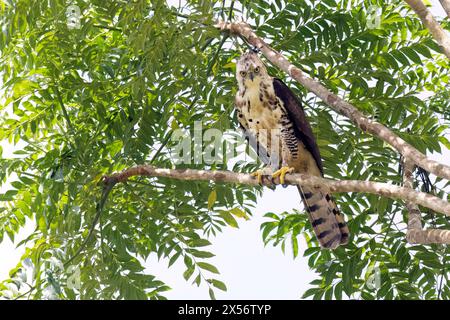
pixel 383 189
pixel 446 5
pixel 429 236
pixel 414 219
pixel 431 24
pixel 415 233
pixel 338 104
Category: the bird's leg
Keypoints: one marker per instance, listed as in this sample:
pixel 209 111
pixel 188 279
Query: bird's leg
pixel 282 173
pixel 267 171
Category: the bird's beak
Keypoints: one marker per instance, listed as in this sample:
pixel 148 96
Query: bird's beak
pixel 251 76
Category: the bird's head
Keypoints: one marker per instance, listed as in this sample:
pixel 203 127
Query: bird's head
pixel 250 70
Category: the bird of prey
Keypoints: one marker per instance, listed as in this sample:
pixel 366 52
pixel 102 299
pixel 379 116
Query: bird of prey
pixel 274 122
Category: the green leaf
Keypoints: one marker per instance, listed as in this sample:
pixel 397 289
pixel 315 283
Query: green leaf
pixel 219 284
pixel 199 243
pixel 174 258
pixel 310 292
pixel 444 141
pixel 405 287
pixel 211 294
pixel 229 219
pixel 294 246
pixel 24 86
pixel 201 254
pixel 347 278
pixel 208 266
pixel 239 213
pixel 188 273
pixel 410 53
pixel 212 199
pixel 338 291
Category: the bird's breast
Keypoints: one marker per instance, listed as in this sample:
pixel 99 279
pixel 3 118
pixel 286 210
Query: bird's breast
pixel 258 111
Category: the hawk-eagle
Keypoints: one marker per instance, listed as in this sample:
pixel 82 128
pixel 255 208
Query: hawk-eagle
pixel 275 123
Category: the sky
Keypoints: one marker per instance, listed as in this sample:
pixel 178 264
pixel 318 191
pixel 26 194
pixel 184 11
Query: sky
pixel 250 270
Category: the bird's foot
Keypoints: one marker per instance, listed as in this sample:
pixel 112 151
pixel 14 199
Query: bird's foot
pixel 259 174
pixel 282 173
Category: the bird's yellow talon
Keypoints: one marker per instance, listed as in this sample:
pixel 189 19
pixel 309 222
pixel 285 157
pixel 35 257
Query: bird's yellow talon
pixel 281 173
pixel 258 174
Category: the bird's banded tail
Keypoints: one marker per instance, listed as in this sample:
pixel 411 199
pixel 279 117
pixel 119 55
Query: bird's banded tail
pixel 328 223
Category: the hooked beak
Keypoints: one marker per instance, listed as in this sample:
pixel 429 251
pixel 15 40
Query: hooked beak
pixel 251 76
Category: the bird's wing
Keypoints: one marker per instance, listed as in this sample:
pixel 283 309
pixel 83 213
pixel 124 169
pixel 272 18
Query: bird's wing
pixel 295 112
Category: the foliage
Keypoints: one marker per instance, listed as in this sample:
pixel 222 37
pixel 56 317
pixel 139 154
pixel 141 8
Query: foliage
pixel 91 101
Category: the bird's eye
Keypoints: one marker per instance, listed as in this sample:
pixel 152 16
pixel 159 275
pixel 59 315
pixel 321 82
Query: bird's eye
pixel 256 70
pixel 243 73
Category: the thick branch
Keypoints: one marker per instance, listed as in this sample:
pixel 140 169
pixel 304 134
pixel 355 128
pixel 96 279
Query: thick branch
pixel 383 189
pixel 338 104
pixel 431 24
pixel 428 236
pixel 446 5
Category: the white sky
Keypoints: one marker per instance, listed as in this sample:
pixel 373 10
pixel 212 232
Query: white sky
pixel 249 270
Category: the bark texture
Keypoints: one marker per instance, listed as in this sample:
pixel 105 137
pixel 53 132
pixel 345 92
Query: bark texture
pixel 415 234
pixel 327 185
